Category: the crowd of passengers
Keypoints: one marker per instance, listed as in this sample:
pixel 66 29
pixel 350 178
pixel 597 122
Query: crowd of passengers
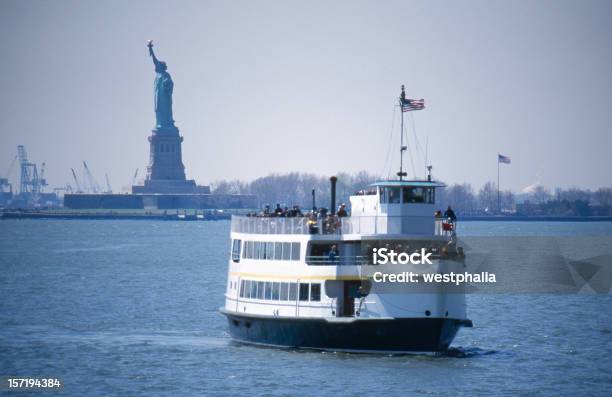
pixel 296 212
pixel 329 223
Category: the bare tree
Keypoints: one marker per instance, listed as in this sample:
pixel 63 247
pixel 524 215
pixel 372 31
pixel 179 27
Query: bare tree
pixel 487 197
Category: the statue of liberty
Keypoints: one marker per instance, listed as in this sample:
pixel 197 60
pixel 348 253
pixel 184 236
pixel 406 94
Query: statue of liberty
pixel 163 94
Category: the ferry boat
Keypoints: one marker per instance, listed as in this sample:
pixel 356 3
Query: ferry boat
pixel 307 281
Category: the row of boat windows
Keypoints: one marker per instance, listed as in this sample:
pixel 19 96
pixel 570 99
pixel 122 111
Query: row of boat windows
pixel 280 291
pixel 271 250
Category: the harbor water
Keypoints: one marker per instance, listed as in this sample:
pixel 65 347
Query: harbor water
pixel 121 307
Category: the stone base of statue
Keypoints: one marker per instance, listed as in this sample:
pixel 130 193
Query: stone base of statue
pixel 165 155
pixel 166 172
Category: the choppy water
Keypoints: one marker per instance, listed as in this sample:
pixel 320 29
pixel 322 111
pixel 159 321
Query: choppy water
pixel 130 308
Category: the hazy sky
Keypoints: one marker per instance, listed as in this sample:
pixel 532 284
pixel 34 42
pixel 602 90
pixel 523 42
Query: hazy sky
pixel 276 86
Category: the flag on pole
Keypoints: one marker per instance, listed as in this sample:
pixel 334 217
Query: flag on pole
pixel 409 105
pixel 503 159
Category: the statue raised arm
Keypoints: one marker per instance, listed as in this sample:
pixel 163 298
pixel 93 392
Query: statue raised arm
pixel 163 93
pixel 152 54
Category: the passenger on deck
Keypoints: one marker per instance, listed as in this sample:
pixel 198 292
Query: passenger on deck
pixel 438 216
pixel 450 214
pixel 278 211
pixel 313 227
pixel 333 253
pixel 296 211
pixel 342 211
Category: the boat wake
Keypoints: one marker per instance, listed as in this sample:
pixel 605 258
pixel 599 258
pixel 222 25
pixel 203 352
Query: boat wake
pixel 467 352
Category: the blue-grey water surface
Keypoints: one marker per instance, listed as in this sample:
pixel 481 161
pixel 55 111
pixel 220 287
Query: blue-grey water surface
pixel 130 308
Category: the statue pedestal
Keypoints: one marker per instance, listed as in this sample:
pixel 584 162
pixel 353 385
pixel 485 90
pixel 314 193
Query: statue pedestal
pixel 165 156
pixel 166 172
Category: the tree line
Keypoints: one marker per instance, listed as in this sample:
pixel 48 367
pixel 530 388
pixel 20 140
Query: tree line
pixel 295 188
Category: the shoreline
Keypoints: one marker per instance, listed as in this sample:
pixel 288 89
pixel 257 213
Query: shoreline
pixel 214 215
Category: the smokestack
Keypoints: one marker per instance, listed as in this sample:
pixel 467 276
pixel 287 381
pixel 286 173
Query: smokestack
pixel 314 204
pixel 333 181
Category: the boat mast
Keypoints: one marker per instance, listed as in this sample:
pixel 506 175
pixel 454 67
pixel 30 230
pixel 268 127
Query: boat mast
pixel 401 172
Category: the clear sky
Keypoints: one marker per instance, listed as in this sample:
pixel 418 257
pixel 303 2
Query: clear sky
pixel 278 86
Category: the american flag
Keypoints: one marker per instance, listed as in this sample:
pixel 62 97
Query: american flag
pixel 503 159
pixel 409 105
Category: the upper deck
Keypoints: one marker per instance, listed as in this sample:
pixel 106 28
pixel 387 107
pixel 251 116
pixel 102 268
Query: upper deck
pixel 389 207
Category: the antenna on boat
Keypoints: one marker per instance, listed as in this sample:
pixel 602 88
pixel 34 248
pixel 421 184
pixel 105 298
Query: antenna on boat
pixel 402 100
pixel 406 105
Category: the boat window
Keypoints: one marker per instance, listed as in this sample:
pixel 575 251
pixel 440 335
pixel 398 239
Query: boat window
pixel 295 251
pixel 286 251
pixel 265 250
pixel 253 290
pixel 247 289
pixel 304 291
pixel 284 291
pixel 260 289
pixel 390 195
pixel 414 195
pixel 292 291
pixel 236 250
pixel 275 291
pixel 431 195
pixel 315 292
pixel 268 294
pixel 257 254
pixel 419 195
pixel 242 288
pixel 278 251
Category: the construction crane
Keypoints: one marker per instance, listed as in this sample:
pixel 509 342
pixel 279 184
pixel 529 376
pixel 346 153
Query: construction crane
pixel 41 177
pixel 76 182
pixel 135 176
pixel 29 182
pixel 93 185
pixel 108 186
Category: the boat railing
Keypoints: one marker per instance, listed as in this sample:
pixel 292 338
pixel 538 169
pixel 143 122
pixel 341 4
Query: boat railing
pixel 336 225
pixel 326 260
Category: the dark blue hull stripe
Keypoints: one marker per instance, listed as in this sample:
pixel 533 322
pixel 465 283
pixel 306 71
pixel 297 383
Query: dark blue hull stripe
pixel 392 335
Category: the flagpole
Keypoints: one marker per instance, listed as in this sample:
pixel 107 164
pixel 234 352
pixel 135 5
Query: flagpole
pixel 498 199
pixel 401 173
pixel 401 103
